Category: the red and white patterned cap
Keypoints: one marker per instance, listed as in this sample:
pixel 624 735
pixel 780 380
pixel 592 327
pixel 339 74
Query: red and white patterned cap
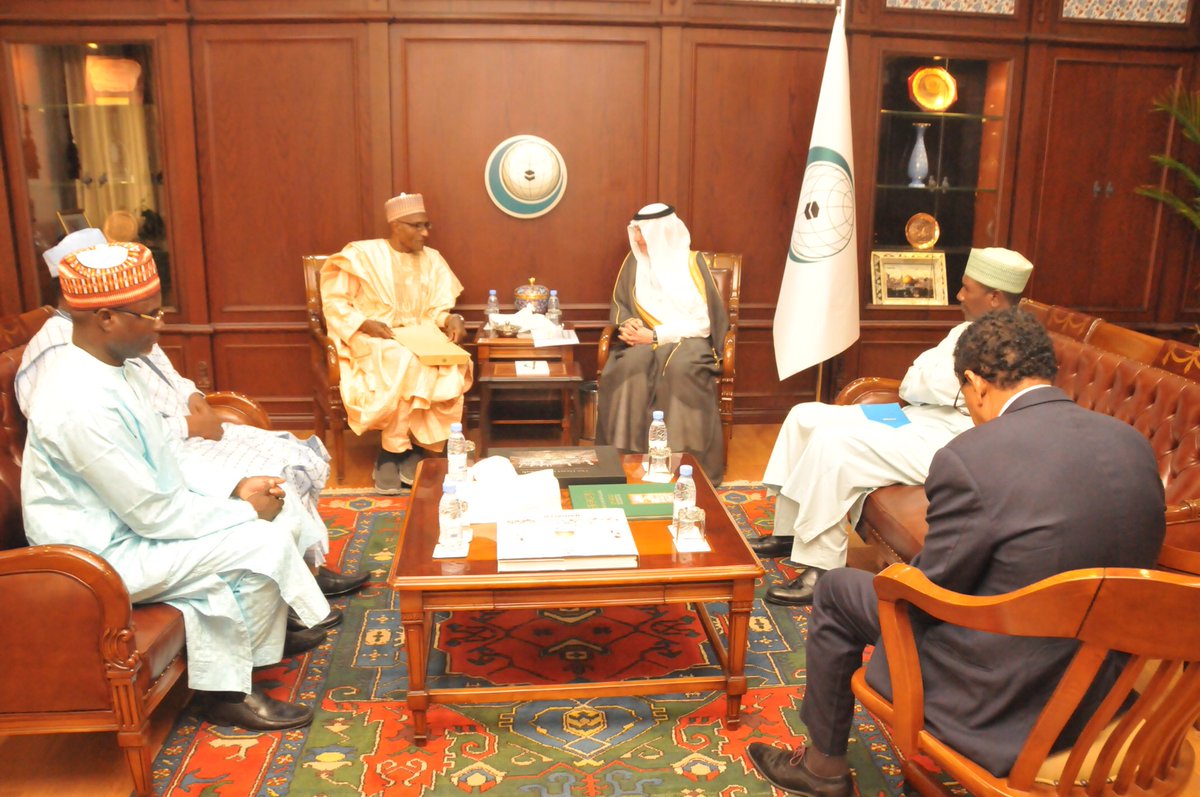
pixel 111 275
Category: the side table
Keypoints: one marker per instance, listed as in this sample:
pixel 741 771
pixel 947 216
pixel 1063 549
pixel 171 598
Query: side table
pixel 565 377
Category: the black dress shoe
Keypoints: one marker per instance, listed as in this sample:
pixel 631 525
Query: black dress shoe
pixel 296 642
pixel 786 769
pixel 331 621
pixel 798 591
pixel 772 546
pixel 333 583
pixel 258 713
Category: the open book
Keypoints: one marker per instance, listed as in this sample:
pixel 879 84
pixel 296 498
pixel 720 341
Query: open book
pixel 577 539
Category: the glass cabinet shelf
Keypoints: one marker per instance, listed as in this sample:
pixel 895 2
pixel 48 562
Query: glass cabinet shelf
pixel 932 116
pixel 947 163
pixel 941 189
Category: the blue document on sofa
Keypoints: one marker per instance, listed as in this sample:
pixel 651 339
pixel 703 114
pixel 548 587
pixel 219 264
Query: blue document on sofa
pixel 891 414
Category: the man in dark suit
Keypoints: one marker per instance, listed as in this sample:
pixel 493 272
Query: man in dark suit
pixel 1040 486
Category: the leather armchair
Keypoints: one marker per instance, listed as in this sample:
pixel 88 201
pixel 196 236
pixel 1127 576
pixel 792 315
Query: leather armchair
pixel 726 269
pixel 75 654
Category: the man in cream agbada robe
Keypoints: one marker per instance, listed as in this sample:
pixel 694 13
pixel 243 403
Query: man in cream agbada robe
pixel 370 288
pixel 102 472
pixel 827 459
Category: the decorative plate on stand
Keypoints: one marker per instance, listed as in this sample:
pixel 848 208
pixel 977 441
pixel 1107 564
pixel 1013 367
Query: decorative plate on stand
pixel 922 231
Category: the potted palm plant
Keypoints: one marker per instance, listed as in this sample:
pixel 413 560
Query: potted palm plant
pixel 1184 108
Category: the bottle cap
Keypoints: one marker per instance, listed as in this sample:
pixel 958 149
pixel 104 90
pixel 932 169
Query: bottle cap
pixel 492 292
pixel 449 487
pixel 657 415
pixel 685 470
pixel 554 293
pixel 455 427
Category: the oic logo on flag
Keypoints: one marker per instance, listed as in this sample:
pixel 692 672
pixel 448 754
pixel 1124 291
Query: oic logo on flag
pixel 825 219
pixel 525 176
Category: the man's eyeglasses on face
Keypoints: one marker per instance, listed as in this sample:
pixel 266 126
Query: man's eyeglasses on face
pixel 958 402
pixel 418 225
pixel 153 315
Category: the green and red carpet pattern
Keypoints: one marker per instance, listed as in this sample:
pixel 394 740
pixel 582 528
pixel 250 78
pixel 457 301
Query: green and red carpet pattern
pixel 361 741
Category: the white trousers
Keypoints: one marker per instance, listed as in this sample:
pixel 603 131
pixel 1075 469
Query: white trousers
pixel 828 458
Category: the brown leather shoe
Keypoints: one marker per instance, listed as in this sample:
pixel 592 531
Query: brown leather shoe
pixel 786 769
pixel 797 592
pixel 771 546
pixel 258 713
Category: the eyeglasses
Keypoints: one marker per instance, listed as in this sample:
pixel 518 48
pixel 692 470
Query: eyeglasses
pixel 154 315
pixel 418 225
pixel 958 405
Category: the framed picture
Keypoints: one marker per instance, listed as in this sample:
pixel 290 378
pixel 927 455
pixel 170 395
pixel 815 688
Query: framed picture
pixel 73 219
pixel 908 278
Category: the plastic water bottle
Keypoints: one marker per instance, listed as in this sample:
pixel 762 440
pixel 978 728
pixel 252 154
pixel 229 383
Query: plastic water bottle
pixel 493 306
pixel 685 492
pixel 450 517
pixel 660 451
pixel 554 309
pixel 456 454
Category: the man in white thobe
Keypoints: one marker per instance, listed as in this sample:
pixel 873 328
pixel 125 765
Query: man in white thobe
pixel 101 471
pixel 244 450
pixel 827 459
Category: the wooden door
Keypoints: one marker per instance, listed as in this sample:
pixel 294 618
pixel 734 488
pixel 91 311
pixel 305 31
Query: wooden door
pixel 1086 147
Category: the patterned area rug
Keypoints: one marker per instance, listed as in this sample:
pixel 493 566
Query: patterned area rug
pixel 361 741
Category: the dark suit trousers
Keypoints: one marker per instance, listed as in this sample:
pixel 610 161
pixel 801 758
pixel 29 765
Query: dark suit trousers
pixel 845 620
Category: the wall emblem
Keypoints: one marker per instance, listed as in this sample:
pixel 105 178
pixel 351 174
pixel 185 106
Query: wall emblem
pixel 525 176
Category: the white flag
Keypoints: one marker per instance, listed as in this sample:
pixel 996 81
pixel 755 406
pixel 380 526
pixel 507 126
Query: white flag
pixel 817 314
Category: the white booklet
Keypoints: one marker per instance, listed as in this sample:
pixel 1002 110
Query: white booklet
pixel 574 539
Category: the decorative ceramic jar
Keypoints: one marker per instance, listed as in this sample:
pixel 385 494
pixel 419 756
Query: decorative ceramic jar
pixel 533 295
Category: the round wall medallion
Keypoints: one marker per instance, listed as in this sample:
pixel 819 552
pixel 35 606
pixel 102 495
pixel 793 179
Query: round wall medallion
pixel 922 231
pixel 525 176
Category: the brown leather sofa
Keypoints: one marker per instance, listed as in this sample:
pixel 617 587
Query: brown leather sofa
pixel 1150 383
pixel 75 655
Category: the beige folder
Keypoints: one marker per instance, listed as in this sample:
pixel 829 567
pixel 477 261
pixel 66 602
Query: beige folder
pixel 431 345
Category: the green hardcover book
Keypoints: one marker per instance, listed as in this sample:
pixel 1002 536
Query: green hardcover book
pixel 637 500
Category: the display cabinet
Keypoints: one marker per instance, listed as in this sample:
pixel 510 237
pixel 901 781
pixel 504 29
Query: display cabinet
pixel 92 124
pixel 940 168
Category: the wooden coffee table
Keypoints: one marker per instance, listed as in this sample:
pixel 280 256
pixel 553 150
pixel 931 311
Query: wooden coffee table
pixel 426 585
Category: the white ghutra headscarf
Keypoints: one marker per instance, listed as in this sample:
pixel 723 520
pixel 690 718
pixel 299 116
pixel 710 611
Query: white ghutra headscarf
pixel 664 285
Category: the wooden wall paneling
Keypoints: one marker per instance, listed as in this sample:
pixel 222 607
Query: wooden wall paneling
pixel 746 122
pixel 178 131
pixel 260 364
pixel 608 11
pixel 10 279
pixel 89 10
pixel 1085 147
pixel 460 90
pixel 294 155
pixel 789 14
pixel 887 349
pixel 190 351
pixel 225 10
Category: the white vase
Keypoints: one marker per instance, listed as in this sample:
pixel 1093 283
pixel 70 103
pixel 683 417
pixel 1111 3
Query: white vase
pixel 918 161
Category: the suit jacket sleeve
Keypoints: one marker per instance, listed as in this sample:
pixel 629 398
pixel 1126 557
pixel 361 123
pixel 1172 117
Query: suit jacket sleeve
pixel 958 546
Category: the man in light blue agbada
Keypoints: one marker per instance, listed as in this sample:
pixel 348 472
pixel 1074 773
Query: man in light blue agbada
pixel 100 471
